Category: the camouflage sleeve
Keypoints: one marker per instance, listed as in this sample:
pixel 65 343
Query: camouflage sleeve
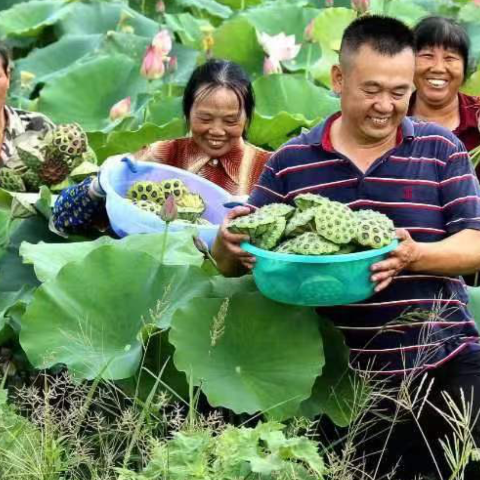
pixel 75 210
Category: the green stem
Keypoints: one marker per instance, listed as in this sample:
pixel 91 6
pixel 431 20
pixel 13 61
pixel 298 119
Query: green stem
pixel 164 243
pixel 242 5
pixel 309 59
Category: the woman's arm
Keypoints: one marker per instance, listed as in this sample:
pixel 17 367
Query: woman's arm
pixel 77 207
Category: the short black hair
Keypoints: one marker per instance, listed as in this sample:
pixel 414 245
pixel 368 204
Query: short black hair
pixel 215 73
pixel 443 32
pixel 385 35
pixel 5 58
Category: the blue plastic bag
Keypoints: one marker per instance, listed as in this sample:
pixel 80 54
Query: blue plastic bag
pixel 119 173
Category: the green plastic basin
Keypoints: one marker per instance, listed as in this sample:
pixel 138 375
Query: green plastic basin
pixel 313 280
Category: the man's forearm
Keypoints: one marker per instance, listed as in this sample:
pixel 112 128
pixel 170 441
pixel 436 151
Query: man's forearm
pixel 228 265
pixel 455 255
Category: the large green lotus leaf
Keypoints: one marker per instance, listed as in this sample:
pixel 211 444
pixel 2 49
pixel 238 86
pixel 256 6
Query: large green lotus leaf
pixel 240 4
pixel 321 69
pixel 48 258
pixel 87 91
pixel 129 142
pixel 29 18
pixel 472 85
pixel 293 94
pixel 228 286
pixel 7 301
pixel 271 132
pixel 474 303
pixel 330 24
pixel 161 110
pixel 100 17
pixel 473 30
pixel 90 316
pixel 187 27
pixel 334 392
pixel 210 6
pixel 265 356
pixel 6 4
pixel 53 60
pixel 407 12
pixel 236 40
pixel 14 275
pixel 289 19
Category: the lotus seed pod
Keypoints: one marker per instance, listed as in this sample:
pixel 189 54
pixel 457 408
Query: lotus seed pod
pixel 145 190
pixel 301 222
pixel 270 239
pixel 336 222
pixel 310 243
pixel 277 209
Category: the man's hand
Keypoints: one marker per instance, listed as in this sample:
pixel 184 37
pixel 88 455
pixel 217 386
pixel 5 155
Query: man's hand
pixel 400 259
pixel 226 249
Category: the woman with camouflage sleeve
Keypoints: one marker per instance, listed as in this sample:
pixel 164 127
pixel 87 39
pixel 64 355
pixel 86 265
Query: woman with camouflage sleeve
pixel 14 122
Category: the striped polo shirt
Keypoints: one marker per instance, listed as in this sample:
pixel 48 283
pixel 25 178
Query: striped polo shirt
pixel 427 186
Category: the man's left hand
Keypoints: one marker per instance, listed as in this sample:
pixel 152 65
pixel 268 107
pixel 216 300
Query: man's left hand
pixel 404 255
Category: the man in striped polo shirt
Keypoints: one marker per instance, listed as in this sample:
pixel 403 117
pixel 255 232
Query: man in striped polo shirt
pixel 370 155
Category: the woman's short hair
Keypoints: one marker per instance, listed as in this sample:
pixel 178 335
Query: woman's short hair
pixel 443 32
pixel 5 58
pixel 213 74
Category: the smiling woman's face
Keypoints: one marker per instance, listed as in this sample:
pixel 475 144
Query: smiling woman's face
pixel 438 75
pixel 217 121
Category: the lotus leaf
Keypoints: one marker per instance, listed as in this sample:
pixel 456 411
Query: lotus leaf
pixel 250 356
pixel 28 19
pixel 295 95
pixel 49 258
pixel 101 17
pixel 188 28
pixel 91 315
pixel 474 303
pixel 51 61
pixel 236 40
pixel 210 6
pixel 334 391
pixel 131 141
pixel 111 78
pixel 330 25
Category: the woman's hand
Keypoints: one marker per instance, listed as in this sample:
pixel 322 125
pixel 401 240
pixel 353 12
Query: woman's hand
pixel 231 259
pixel 400 259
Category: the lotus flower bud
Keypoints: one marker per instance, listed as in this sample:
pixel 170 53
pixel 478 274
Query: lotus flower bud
pixel 201 245
pixel 308 32
pixel 121 109
pixel 169 210
pixel 160 7
pixel 329 3
pixel 162 42
pixel 152 66
pixel 361 6
pixel 271 65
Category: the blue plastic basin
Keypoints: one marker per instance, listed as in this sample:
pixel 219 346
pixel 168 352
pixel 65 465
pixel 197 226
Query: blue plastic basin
pixel 312 280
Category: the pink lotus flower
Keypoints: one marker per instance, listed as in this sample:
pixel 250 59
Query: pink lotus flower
pixel 329 3
pixel 162 42
pixel 169 212
pixel 152 65
pixel 279 47
pixel 361 5
pixel 120 109
pixel 271 65
pixel 160 7
pixel 477 2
